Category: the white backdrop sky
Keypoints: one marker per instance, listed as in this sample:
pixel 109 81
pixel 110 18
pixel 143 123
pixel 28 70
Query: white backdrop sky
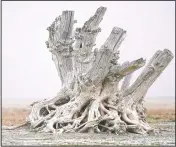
pixel 28 71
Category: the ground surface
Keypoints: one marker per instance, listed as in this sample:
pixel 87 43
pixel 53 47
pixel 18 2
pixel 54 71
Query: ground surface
pixel 23 136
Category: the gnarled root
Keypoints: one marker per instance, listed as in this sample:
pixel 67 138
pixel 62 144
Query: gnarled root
pixel 85 114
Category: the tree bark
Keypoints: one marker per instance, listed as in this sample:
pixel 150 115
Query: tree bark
pixel 91 99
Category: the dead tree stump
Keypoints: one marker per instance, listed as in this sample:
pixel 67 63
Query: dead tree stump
pixel 91 99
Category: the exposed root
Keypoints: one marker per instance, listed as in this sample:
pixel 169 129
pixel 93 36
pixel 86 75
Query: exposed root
pixel 90 115
pixel 14 127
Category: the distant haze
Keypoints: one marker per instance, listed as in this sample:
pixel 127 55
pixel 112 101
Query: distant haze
pixel 28 71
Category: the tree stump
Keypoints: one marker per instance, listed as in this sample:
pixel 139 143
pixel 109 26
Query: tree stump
pixel 91 99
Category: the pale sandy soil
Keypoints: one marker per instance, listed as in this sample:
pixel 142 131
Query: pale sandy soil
pixel 23 136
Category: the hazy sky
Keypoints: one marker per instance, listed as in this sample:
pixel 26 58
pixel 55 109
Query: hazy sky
pixel 28 71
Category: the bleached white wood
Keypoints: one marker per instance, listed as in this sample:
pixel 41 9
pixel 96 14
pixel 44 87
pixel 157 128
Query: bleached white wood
pixel 90 99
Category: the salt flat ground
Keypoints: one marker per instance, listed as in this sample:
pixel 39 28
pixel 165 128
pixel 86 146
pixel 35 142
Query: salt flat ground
pixel 23 136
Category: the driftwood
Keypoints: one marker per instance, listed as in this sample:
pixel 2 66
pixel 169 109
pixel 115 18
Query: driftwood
pixel 91 99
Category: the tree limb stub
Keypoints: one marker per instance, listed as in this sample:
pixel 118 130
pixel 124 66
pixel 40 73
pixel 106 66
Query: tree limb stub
pixel 156 65
pixel 102 64
pixel 60 43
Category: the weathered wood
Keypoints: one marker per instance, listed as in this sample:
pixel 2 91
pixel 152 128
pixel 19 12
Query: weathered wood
pixel 126 82
pixel 91 99
pixel 60 44
pixel 83 57
pixel 101 66
pixel 156 65
pixel 86 36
